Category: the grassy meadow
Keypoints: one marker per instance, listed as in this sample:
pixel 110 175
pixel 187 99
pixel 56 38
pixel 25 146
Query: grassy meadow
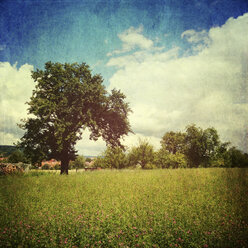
pixel 126 208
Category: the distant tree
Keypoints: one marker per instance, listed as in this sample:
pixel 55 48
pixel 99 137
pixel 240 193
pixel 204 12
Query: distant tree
pixel 88 160
pixel 114 157
pixel 236 158
pixel 79 162
pixel 99 162
pixel 66 100
pixel 18 156
pixel 165 159
pixel 143 154
pixel 173 142
pixel 201 146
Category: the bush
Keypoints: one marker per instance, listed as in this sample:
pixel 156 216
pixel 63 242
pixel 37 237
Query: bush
pixel 23 166
pixel 34 166
pixel 17 156
pixel 57 167
pixel 45 167
pixel 164 159
pixel 150 166
pixel 10 169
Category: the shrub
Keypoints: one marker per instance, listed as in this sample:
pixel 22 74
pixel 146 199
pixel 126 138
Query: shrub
pixel 150 166
pixel 57 167
pixel 45 167
pixel 164 159
pixel 17 156
pixel 8 169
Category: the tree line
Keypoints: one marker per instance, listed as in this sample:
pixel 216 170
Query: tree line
pixel 193 148
pixel 67 99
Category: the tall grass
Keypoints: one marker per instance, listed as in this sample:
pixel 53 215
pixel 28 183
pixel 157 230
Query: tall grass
pixel 157 208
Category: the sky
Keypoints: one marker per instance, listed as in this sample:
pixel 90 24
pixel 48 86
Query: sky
pixel 177 61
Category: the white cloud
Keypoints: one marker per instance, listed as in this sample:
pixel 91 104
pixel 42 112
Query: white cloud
pixel 16 87
pixel 210 88
pixel 88 147
pixel 132 38
pixel 165 91
pixel 193 36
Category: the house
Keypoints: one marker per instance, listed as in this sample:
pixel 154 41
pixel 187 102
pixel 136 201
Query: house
pixel 51 162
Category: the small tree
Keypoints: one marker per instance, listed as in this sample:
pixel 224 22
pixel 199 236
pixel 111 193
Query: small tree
pixel 79 163
pixel 66 100
pixel 142 154
pixel 114 158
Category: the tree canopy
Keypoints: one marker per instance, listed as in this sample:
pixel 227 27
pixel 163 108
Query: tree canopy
pixel 68 99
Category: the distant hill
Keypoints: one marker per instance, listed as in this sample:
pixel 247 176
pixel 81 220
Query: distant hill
pixel 6 150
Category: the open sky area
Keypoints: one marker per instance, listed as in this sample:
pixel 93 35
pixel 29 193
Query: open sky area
pixel 178 61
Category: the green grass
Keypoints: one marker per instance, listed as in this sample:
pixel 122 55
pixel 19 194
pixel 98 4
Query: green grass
pixel 129 208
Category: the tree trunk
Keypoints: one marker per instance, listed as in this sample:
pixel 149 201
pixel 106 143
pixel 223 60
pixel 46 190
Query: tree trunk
pixel 64 166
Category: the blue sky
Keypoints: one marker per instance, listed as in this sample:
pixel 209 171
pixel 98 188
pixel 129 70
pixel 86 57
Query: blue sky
pixel 35 32
pixel 118 38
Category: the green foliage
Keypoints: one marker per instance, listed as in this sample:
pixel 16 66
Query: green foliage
pixel 45 167
pixel 113 158
pixel 142 154
pixel 6 150
pixel 164 159
pixel 17 156
pixel 150 166
pixel 88 160
pixel 236 158
pixel 201 148
pixel 100 162
pixel 78 163
pixel 173 142
pixel 67 99
pixel 57 167
pixel 201 145
pixel 110 208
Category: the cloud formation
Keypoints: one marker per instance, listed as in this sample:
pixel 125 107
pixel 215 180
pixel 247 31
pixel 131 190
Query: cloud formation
pixel 166 90
pixel 16 87
pixel 210 88
pixel 131 39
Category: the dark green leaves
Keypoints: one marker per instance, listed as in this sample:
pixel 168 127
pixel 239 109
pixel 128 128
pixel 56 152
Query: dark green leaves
pixel 66 100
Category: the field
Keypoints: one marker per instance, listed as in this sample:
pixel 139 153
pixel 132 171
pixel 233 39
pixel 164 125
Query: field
pixel 129 208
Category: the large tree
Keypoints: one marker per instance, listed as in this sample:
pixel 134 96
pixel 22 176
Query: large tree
pixel 173 142
pixel 66 100
pixel 202 146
